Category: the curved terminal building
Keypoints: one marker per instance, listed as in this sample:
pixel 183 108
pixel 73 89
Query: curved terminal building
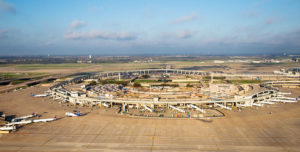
pixel 168 92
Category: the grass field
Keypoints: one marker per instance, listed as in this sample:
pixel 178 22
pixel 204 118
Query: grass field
pixel 5 65
pixel 8 75
pixel 52 66
pixel 202 65
pixel 146 81
pixel 243 81
pixel 127 66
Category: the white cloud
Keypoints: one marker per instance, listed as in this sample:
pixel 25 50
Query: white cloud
pixel 3 33
pixel 270 21
pixel 183 19
pixel 94 9
pixel 77 24
pixel 250 14
pixel 186 34
pixel 100 35
pixel 4 6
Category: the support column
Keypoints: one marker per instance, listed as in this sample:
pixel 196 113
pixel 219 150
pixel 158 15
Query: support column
pixel 124 107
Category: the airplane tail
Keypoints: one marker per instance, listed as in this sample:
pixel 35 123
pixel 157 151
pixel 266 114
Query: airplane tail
pixel 54 116
pixel 32 94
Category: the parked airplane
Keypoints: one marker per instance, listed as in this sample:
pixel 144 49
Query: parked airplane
pixel 44 120
pixel 39 95
pixel 283 93
pixel 23 117
pixel 8 128
pixel 286 98
pixel 19 123
pixel 257 104
pixel 244 105
pixel 69 114
pixel 265 102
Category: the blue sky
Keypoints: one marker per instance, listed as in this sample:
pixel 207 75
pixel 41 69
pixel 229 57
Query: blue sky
pixel 119 27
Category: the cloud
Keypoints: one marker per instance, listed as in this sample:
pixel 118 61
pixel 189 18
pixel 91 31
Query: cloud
pixel 77 24
pixel 4 6
pixel 251 13
pixel 3 33
pixel 47 44
pixel 186 34
pixel 183 19
pixel 94 9
pixel 100 35
pixel 270 21
pixel 291 38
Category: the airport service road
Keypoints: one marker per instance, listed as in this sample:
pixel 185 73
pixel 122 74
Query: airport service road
pixel 250 130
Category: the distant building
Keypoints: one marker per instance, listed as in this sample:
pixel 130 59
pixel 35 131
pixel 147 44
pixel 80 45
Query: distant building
pixel 256 61
pixel 219 61
pixel 271 61
pixel 168 66
pixel 80 61
pixel 295 71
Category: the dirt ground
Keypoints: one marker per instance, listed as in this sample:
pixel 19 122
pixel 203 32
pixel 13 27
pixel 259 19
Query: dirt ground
pixel 253 129
pixel 73 68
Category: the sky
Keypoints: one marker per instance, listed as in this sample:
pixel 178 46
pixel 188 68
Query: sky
pixel 147 27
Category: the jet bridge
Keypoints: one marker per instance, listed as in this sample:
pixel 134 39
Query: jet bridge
pixel 223 107
pixel 286 98
pixel 257 104
pixel 105 105
pixel 147 108
pixel 285 101
pixel 173 107
pixel 266 102
pixel 284 93
pixel 197 108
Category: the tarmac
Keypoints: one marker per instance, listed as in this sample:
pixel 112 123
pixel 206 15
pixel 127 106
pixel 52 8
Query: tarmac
pixel 252 129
